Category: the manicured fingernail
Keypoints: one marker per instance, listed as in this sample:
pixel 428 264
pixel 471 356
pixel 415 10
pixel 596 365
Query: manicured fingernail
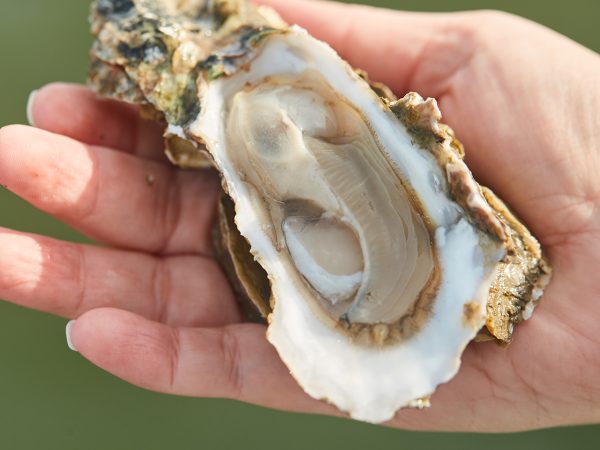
pixel 68 333
pixel 30 108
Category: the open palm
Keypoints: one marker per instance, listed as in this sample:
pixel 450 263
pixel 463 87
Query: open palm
pixel 153 307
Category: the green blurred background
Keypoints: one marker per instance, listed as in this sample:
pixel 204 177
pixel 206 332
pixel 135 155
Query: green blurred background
pixel 51 398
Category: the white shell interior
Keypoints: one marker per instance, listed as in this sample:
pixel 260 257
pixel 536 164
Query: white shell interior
pixel 370 383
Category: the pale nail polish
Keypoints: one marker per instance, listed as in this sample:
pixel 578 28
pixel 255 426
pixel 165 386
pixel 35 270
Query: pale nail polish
pixel 30 108
pixel 68 328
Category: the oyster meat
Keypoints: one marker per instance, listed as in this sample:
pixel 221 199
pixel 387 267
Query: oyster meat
pixel 349 219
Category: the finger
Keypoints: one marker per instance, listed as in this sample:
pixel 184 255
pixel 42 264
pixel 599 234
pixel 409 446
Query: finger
pixel 77 112
pixel 233 362
pixel 237 362
pixel 387 44
pixel 111 196
pixel 69 279
pixel 490 393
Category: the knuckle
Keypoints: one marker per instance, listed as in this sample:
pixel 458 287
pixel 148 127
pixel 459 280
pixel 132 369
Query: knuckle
pixel 174 350
pixel 161 282
pixel 66 264
pixel 496 15
pixel 230 349
pixel 492 18
pixel 489 27
pixel 168 212
pixel 78 269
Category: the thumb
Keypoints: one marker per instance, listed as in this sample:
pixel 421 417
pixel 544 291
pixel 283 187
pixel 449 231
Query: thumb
pixel 385 43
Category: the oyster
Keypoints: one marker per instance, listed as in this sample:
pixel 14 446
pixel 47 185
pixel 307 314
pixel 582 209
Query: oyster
pixel 350 219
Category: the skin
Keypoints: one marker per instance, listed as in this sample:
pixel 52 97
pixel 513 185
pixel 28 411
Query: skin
pixel 153 307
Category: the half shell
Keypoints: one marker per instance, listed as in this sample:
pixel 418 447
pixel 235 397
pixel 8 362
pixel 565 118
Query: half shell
pixel 350 220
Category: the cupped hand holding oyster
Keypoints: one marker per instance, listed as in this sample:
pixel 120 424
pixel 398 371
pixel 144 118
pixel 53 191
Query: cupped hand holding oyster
pixel 182 333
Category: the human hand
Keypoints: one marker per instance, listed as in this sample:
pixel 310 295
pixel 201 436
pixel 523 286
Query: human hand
pixel 154 308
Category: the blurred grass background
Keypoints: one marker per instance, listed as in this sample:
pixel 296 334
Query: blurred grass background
pixel 51 398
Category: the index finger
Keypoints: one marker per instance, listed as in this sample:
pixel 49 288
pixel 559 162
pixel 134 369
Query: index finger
pixel 237 362
pixel 77 112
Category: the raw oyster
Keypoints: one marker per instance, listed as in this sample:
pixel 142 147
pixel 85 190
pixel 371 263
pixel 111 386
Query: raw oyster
pixel 349 220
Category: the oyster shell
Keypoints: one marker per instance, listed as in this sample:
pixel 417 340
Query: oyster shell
pixel 350 221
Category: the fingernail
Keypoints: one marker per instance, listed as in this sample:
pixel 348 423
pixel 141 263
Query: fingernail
pixel 30 108
pixel 68 329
